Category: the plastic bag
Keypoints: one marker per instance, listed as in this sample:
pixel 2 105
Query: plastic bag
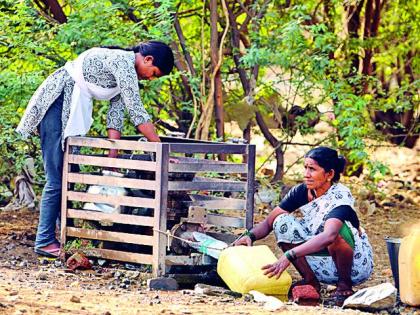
pixel 106 191
pixel 208 245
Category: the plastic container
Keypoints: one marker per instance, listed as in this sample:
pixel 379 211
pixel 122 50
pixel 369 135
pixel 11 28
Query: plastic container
pixel 393 247
pixel 409 268
pixel 240 269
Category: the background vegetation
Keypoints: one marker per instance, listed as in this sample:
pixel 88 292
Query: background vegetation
pixel 275 67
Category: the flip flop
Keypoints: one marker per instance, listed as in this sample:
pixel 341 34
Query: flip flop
pixel 51 253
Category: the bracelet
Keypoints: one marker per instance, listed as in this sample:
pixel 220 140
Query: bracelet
pixel 290 255
pixel 250 235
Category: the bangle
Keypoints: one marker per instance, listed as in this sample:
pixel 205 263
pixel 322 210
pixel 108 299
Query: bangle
pixel 250 235
pixel 290 255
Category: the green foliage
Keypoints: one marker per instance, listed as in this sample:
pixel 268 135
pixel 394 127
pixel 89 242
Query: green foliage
pixel 78 244
pixel 31 48
pixel 304 56
pixel 312 62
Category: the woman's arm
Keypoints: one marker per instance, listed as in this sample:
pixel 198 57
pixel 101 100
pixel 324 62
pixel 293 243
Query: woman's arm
pixel 322 240
pixel 331 229
pixel 262 229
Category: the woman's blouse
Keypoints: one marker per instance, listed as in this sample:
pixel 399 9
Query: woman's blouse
pixel 106 68
pixel 298 196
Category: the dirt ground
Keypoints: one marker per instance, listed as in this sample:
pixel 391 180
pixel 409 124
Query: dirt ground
pixel 33 285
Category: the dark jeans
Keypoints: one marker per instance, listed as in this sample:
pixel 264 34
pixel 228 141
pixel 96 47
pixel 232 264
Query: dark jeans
pixel 52 155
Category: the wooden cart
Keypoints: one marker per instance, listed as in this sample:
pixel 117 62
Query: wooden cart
pixel 85 157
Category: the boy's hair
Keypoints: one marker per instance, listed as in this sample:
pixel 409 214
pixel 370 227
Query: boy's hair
pixel 162 54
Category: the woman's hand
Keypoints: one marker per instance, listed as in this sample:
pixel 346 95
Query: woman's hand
pixel 244 240
pixel 277 268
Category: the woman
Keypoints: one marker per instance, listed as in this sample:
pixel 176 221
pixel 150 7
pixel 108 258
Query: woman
pixel 327 244
pixel 62 107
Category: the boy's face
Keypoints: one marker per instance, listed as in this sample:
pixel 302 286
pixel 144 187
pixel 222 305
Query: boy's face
pixel 145 68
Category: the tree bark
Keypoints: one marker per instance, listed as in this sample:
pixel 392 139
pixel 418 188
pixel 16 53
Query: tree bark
pixel 214 47
pixel 248 85
pixel 353 27
pixel 53 9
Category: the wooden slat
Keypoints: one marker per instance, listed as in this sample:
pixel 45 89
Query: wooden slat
pixel 111 181
pixel 208 148
pixel 223 220
pixel 113 200
pixel 211 185
pixel 188 260
pixel 218 203
pixel 110 217
pixel 236 204
pixel 112 162
pixel 250 187
pixel 208 167
pixel 212 179
pixel 119 255
pixel 112 144
pixel 187 159
pixel 110 236
pixel 198 197
pixel 160 241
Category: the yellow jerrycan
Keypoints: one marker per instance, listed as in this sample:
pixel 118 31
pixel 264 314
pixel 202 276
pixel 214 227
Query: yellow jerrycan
pixel 409 268
pixel 240 269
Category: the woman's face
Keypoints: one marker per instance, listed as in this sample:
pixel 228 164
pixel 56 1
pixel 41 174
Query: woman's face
pixel 315 176
pixel 145 68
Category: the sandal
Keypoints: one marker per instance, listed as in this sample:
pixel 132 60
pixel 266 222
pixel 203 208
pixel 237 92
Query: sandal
pixel 51 253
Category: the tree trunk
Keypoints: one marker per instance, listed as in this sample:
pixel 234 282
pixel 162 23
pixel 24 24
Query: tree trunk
pixel 275 144
pixel 353 26
pixel 214 47
pixel 52 9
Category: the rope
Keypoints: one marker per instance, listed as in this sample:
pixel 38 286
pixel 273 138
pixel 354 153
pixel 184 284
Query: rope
pixel 198 244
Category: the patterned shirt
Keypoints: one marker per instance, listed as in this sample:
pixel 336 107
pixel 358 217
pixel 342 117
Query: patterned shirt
pixel 107 68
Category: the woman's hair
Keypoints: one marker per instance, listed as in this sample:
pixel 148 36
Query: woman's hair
pixel 163 57
pixel 328 159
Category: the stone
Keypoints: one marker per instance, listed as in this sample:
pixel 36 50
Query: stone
pixel 304 292
pixel 271 303
pixel 78 261
pixel 134 275
pixel 211 290
pixel 75 299
pixel 23 264
pixel 164 284
pixel 101 262
pixel 376 298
